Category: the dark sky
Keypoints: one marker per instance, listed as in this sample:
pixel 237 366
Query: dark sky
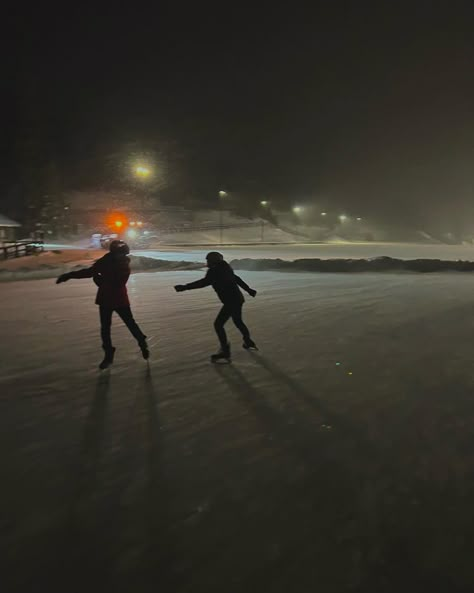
pixel 369 105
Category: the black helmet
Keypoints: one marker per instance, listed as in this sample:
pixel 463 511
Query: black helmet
pixel 214 257
pixel 119 247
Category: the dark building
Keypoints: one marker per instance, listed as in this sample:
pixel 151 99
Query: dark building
pixel 8 229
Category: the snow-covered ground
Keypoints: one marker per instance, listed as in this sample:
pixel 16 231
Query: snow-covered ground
pixel 339 458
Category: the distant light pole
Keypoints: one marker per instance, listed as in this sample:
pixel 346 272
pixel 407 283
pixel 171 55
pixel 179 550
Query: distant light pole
pixel 298 210
pixel 264 204
pixel 222 195
pixel 142 172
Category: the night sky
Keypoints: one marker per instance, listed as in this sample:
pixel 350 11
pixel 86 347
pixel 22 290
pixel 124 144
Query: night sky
pixel 367 106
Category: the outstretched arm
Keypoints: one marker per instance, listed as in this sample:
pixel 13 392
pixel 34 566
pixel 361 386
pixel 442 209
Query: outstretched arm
pixel 244 285
pixel 84 273
pixel 92 272
pixel 206 281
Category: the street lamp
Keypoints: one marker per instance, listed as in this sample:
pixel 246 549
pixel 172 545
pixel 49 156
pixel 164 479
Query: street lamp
pixel 222 195
pixel 142 171
pixel 343 218
pixel 298 210
pixel 264 204
pixel 359 218
pixel 323 213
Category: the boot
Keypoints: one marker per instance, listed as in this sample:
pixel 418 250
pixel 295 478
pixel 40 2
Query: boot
pixel 223 354
pixel 249 344
pixel 108 358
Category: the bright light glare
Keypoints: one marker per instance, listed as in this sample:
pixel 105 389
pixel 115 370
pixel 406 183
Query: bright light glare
pixel 342 217
pixel 264 203
pixel 132 233
pixel 323 213
pixel 132 223
pixel 222 194
pixel 359 218
pixel 142 171
pixel 139 223
pixel 118 224
pixel 297 209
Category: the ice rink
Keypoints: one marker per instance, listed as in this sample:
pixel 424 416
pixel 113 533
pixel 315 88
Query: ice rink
pixel 338 458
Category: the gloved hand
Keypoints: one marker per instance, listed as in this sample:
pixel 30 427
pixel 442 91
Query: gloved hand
pixel 180 287
pixel 63 278
pixel 252 292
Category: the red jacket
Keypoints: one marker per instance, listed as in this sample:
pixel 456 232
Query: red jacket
pixel 111 274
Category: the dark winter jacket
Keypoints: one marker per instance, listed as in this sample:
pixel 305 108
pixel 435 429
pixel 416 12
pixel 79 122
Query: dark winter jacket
pixel 223 280
pixel 111 274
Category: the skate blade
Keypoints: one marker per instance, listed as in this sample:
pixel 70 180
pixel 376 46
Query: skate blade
pixel 221 360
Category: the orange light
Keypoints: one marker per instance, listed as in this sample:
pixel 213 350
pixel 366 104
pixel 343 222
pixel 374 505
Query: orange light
pixel 117 221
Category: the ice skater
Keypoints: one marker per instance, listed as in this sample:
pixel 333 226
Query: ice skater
pixel 226 284
pixel 110 273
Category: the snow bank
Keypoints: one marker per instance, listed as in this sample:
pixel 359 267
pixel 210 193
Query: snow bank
pixel 142 263
pixel 377 264
pixel 51 264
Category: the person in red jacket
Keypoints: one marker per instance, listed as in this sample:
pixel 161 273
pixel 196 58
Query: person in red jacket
pixel 110 273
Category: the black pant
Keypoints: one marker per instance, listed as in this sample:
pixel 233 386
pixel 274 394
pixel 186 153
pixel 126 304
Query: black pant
pixel 125 313
pixel 228 311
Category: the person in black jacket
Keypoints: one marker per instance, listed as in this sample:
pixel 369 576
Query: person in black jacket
pixel 226 284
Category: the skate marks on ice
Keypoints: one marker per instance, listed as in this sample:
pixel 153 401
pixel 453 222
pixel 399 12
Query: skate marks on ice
pixel 340 465
pixel 310 479
pixel 292 413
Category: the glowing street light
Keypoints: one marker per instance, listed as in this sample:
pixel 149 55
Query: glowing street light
pixel 142 171
pixel 343 218
pixel 119 224
pixel 297 209
pixel 323 213
pixel 222 194
pixel 264 203
pixel 359 218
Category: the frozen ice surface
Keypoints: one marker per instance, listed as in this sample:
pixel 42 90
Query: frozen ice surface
pixel 339 458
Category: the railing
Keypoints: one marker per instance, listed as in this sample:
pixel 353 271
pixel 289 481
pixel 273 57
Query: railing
pixel 20 248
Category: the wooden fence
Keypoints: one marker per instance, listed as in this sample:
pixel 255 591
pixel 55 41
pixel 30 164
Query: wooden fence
pixel 19 248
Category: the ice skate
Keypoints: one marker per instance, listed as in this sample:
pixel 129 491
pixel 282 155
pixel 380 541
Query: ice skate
pixel 223 355
pixel 108 359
